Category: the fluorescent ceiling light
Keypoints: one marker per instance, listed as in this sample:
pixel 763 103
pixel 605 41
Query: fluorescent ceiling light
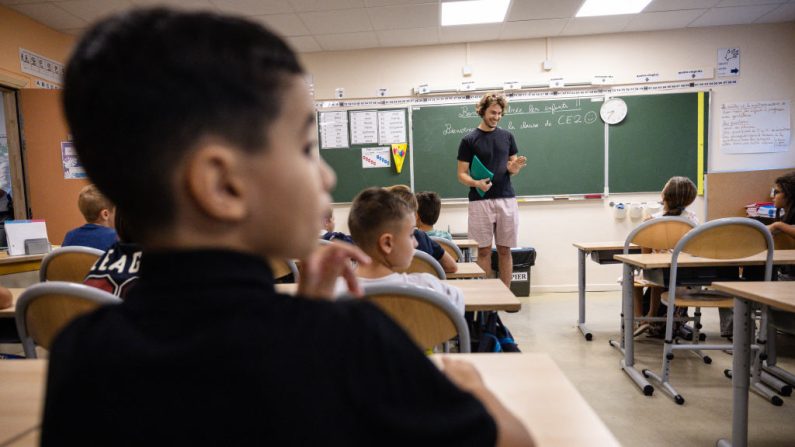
pixel 611 7
pixel 473 12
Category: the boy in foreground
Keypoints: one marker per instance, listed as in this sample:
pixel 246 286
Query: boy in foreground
pixel 215 125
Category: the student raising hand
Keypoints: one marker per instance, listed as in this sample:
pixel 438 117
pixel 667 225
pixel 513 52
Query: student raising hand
pixel 320 270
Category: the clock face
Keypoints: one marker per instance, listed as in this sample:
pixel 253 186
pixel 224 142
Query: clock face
pixel 613 111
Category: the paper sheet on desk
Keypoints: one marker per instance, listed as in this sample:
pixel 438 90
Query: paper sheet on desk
pixel 17 231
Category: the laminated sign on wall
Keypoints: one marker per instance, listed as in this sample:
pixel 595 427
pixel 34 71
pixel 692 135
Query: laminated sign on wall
pixel 375 157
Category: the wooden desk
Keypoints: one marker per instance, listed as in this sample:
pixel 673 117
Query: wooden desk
pixel 22 397
pixel 483 295
pixel 601 253
pixel 777 294
pixel 654 261
pixel 467 270
pixel 466 246
pixel 9 312
pixel 538 393
pixel 18 264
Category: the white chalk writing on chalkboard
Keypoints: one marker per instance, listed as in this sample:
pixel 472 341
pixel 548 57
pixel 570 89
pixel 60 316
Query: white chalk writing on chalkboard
pixel 754 127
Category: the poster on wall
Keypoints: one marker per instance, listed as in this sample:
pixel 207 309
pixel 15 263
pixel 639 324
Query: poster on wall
pixel 728 62
pixel 375 157
pixel 755 127
pixel 72 168
pixel 40 66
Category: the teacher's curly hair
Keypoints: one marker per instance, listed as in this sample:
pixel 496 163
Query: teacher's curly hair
pixel 490 99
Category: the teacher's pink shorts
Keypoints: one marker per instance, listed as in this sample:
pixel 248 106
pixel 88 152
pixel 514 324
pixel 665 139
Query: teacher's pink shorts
pixel 496 219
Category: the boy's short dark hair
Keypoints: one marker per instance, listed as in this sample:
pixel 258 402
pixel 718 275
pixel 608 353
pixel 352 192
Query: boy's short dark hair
pixel 429 205
pixel 145 87
pixel 372 211
pixel 91 202
pixel 404 192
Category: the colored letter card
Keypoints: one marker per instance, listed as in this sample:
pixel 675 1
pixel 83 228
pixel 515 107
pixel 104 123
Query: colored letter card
pixel 375 157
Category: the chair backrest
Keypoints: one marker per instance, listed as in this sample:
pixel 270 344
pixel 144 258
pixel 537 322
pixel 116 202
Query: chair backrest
pixel 70 264
pixel 427 316
pixel 424 263
pixel 783 241
pixel 658 234
pixel 45 308
pixel 727 238
pixel 449 247
pixel 283 267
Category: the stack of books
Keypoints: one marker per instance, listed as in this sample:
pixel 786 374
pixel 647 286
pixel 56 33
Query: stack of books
pixel 760 209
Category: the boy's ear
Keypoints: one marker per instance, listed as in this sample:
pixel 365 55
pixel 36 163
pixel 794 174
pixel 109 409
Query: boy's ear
pixel 214 182
pixel 386 243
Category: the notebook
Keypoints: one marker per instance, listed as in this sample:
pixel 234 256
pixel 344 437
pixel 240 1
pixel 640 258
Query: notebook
pixel 478 171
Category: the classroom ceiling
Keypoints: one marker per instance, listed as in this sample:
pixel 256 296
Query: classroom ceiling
pixel 331 25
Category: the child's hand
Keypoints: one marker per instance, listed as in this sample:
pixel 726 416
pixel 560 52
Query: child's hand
pixel 319 271
pixel 774 227
pixel 463 374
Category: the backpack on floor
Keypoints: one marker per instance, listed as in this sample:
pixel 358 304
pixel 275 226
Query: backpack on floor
pixel 488 333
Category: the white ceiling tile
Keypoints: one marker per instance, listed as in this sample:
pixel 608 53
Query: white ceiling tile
pixel 734 15
pixel 649 21
pixel 373 3
pixel 75 31
pixel 91 10
pixel 50 15
pixel 394 17
pixel 408 37
pixel 333 22
pixel 253 7
pixel 283 24
pixel 529 29
pixel 469 33
pixel 325 5
pixel 673 5
pixel 542 9
pixel 723 3
pixel 348 41
pixel 784 13
pixel 18 2
pixel 184 5
pixel 596 25
pixel 303 44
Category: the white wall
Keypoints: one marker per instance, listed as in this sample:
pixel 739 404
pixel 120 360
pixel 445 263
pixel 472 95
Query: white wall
pixel 767 72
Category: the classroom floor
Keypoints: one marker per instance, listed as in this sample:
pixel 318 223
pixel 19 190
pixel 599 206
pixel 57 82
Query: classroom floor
pixel 547 323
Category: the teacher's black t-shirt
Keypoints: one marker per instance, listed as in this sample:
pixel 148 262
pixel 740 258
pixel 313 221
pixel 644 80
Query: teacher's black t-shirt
pixel 493 149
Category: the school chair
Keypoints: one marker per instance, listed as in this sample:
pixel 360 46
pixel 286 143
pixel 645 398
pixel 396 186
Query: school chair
pixel 727 238
pixel 427 316
pixel 45 308
pixel 783 241
pixel 70 264
pixel 451 248
pixel 283 268
pixel 656 234
pixel 424 263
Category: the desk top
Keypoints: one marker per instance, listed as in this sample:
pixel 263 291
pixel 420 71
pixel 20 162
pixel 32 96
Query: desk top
pixel 601 246
pixel 6 259
pixel 485 294
pixel 466 243
pixel 779 294
pixel 8 312
pixel 467 270
pixel 22 396
pixel 663 260
pixel 533 387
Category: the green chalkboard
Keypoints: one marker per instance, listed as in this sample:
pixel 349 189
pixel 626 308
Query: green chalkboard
pixel 347 164
pixel 659 139
pixel 563 141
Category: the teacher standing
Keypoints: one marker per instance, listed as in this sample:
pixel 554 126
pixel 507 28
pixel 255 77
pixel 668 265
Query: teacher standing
pixel 495 215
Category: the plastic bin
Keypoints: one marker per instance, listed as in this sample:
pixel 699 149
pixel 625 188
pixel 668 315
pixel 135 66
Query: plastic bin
pixel 523 259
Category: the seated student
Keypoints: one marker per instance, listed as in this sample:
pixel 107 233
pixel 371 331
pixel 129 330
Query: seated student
pixel 382 224
pixel 117 270
pixel 328 232
pixel 98 232
pixel 424 243
pixel 428 208
pixel 215 124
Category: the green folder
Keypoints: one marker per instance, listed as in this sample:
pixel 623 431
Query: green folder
pixel 478 171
